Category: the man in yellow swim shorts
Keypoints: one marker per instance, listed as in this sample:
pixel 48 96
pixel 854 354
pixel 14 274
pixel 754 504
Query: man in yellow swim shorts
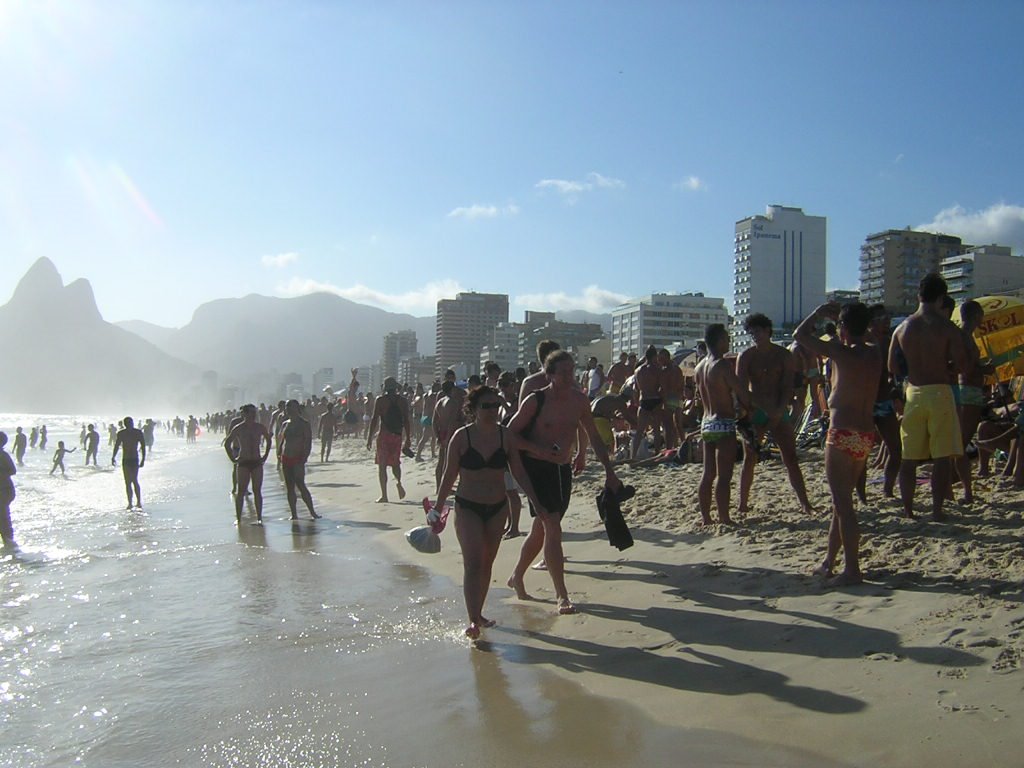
pixel 923 350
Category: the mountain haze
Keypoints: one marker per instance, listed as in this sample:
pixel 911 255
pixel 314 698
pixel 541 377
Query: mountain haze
pixel 62 357
pixel 256 334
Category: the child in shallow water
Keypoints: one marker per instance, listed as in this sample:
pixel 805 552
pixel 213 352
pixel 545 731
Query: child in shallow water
pixel 58 456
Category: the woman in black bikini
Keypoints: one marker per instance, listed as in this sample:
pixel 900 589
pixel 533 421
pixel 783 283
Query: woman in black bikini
pixel 478 454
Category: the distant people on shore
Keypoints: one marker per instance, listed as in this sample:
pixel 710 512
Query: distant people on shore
pixel 391 414
pixel 58 457
pixel 131 442
pixel 328 424
pixel 7 473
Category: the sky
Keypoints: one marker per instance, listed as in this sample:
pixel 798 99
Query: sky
pixel 572 155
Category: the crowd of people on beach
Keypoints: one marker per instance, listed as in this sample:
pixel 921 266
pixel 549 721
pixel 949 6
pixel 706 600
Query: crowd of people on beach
pixel 917 392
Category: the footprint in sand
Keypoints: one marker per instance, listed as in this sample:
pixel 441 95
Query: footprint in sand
pixel 1008 660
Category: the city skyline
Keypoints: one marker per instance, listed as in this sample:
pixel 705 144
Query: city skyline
pixel 576 156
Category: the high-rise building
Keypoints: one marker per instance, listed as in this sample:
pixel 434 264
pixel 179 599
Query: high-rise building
pixel 893 262
pixel 322 379
pixel 983 271
pixel 397 344
pixel 416 368
pixel 664 320
pixel 779 267
pixel 465 325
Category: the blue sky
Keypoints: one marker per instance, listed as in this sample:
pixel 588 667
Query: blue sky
pixel 568 154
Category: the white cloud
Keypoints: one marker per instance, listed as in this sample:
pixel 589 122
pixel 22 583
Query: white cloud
pixel 572 189
pixel 1000 223
pixel 592 299
pixel 277 261
pixel 478 211
pixel 691 183
pixel 420 302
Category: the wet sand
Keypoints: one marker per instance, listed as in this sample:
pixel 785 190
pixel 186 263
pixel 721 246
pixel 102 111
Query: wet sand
pixel 726 629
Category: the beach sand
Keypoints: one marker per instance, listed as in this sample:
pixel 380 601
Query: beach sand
pixel 726 628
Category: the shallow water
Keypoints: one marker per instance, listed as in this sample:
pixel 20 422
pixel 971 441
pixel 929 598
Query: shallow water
pixel 169 637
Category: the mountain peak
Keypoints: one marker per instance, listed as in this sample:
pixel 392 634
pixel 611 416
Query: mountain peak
pixel 42 281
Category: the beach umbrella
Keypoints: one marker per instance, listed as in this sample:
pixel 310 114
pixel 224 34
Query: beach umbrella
pixel 1000 337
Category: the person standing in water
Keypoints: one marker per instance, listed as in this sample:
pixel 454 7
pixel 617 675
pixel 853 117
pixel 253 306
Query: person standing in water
pixel 130 441
pixel 242 446
pixel 19 447
pixel 42 438
pixel 391 411
pixel 92 444
pixel 58 457
pixel 296 443
pixel 7 473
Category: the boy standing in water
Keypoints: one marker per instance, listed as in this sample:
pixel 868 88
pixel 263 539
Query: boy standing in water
pixel 58 457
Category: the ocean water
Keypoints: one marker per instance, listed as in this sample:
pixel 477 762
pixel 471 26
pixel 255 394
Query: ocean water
pixel 171 637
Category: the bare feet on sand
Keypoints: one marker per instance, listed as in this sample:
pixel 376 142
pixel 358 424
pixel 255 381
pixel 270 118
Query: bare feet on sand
pixel 824 570
pixel 846 580
pixel 401 492
pixel 473 631
pixel 565 607
pixel 382 500
pixel 518 586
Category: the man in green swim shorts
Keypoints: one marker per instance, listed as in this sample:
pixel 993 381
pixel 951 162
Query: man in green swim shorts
pixel 930 347
pixel 718 385
pixel 767 371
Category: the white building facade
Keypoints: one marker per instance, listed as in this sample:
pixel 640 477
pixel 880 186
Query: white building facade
pixel 779 266
pixel 664 320
pixel 983 270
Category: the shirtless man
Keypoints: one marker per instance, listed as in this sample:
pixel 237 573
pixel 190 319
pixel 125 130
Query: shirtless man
pixel 930 346
pixel 447 418
pixel 648 392
pixel 605 410
pixel 391 412
pixel 767 370
pixel 427 420
pixel 548 420
pixel 617 374
pixel 539 379
pixel 7 473
pixel 19 446
pixel 92 444
pixel 328 423
pixel 804 380
pixel 972 395
pixel 242 445
pixel 719 388
pixel 886 419
pixel 296 443
pixel 672 382
pixel 856 366
pixel 131 441
pixel 276 420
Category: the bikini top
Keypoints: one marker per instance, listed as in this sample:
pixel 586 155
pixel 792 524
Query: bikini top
pixel 471 458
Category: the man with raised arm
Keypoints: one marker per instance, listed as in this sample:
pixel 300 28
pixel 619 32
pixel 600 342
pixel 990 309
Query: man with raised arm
pixel 925 349
pixel 856 366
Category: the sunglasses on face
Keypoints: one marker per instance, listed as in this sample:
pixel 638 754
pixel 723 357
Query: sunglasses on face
pixel 493 405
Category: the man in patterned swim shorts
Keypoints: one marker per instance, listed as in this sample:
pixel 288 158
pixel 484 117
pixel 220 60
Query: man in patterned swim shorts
pixel 856 367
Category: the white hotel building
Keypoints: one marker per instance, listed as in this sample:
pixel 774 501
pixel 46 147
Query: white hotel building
pixel 664 320
pixel 779 267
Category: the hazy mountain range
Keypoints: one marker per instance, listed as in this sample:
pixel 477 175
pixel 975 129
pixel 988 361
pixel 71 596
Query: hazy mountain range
pixel 64 358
